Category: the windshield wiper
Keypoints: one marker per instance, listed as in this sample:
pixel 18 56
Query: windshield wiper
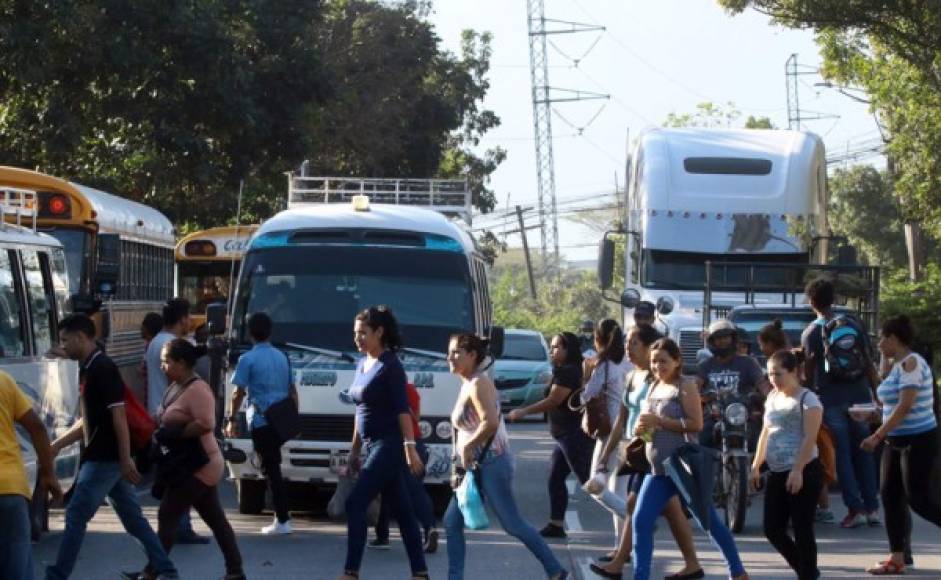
pixel 318 350
pixel 427 353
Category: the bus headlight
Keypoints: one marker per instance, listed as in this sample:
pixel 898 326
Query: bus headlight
pixel 736 414
pixel 424 427
pixel 443 430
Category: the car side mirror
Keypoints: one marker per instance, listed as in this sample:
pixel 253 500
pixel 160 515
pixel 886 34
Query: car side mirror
pixel 605 263
pixel 497 341
pixel 665 305
pixel 216 319
pixel 630 298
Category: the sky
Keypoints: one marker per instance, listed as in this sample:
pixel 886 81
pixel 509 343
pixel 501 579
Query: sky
pixel 653 58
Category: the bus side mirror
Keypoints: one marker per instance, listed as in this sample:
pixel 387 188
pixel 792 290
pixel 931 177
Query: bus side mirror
pixel 497 341
pixel 216 319
pixel 108 264
pixel 606 263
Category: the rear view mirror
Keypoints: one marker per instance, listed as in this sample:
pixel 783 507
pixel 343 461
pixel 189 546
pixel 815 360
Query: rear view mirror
pixel 497 341
pixel 606 263
pixel 630 298
pixel 216 319
pixel 665 305
pixel 108 264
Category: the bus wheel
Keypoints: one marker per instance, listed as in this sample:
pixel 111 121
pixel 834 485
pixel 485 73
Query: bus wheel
pixel 251 495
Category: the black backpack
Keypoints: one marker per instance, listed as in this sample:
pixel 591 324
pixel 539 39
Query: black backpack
pixel 844 348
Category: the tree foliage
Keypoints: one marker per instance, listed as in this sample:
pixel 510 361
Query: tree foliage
pixel 862 209
pixel 892 50
pixel 709 114
pixel 175 103
pixel 917 300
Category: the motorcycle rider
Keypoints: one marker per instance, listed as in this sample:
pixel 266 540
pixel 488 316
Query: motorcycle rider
pixel 728 370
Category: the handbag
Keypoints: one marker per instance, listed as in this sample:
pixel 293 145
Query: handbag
pixel 284 416
pixel 458 472
pixel 596 420
pixel 176 458
pixel 336 508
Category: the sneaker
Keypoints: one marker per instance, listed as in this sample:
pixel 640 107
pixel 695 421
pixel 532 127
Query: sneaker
pixel 824 516
pixel 873 519
pixel 379 544
pixel 853 519
pixel 552 531
pixel 431 541
pixel 595 485
pixel 278 528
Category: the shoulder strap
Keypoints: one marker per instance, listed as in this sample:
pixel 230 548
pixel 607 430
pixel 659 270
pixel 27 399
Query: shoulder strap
pixel 803 396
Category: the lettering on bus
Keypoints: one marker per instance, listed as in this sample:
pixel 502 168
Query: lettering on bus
pixel 423 380
pixel 317 378
pixel 236 245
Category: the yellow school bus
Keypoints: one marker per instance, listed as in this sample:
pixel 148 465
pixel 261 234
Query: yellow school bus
pixel 207 264
pixel 118 252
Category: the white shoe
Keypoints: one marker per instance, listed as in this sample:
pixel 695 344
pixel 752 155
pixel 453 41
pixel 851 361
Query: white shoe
pixel 277 528
pixel 596 484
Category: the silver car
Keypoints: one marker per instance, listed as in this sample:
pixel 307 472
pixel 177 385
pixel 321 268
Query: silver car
pixel 523 372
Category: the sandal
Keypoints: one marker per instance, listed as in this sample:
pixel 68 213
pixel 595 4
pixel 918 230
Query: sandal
pixel 351 573
pixel 887 568
pixel 422 575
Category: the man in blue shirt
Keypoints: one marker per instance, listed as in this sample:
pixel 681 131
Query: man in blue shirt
pixel 264 375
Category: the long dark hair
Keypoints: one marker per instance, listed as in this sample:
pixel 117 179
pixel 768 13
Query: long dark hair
pixel 376 317
pixel 671 348
pixel 608 334
pixel 573 348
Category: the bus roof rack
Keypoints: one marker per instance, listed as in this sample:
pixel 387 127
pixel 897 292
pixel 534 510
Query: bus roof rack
pixel 451 197
pixel 18 203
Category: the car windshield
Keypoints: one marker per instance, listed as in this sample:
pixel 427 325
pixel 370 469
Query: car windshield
pixel 687 270
pixel 205 283
pixel 313 293
pixel 524 347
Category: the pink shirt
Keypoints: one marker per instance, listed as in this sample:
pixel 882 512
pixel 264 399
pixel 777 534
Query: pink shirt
pixel 196 403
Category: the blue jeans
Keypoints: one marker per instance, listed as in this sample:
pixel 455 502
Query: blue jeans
pixel 96 481
pixel 421 502
pixel 497 487
pixel 655 492
pixel 855 468
pixel 16 551
pixel 385 472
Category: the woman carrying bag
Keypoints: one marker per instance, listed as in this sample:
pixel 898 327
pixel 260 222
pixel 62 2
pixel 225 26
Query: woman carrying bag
pixel 787 443
pixel 639 339
pixel 482 447
pixel 187 419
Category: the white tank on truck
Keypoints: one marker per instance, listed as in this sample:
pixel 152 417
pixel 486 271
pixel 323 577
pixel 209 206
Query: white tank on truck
pixel 723 195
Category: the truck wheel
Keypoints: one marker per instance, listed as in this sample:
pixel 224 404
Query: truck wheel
pixel 251 495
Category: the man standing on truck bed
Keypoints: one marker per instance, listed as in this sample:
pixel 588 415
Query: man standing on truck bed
pixel 856 469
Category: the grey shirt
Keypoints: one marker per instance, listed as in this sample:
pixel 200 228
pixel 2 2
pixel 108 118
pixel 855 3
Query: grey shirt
pixel 664 401
pixel 741 375
pixel 784 419
pixel 157 382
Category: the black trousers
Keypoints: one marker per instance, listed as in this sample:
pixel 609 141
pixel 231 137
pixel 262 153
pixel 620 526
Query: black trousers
pixel 781 506
pixel 907 464
pixel 268 446
pixel 177 501
pixel 572 453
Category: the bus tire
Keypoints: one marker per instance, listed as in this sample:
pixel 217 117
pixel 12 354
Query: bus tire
pixel 251 495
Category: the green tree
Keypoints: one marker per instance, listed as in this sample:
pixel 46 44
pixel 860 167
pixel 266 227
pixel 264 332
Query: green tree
pixel 892 51
pixel 709 114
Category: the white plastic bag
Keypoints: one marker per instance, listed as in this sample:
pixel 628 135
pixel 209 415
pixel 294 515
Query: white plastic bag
pixel 336 509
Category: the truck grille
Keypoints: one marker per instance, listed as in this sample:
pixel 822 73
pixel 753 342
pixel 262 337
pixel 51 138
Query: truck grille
pixel 326 428
pixel 690 343
pixel 511 383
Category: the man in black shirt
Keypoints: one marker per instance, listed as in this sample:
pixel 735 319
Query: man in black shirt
pixel 107 469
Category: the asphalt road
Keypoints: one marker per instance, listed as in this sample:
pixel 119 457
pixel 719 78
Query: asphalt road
pixel 317 548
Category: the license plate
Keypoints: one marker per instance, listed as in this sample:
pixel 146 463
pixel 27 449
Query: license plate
pixel 339 460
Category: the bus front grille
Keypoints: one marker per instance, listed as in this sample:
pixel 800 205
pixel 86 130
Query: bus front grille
pixel 326 428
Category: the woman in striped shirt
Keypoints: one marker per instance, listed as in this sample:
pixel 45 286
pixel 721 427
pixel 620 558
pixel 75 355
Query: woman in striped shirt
pixel 910 428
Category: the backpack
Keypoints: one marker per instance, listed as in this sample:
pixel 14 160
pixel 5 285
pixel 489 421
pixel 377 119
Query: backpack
pixel 844 348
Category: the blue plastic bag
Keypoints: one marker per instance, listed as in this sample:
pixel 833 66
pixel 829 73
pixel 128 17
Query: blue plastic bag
pixel 471 504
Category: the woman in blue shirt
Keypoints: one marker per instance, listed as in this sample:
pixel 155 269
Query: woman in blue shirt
pixel 910 428
pixel 384 425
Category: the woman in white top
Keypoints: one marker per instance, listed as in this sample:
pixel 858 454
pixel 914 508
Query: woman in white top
pixel 788 443
pixel 606 374
pixel 482 445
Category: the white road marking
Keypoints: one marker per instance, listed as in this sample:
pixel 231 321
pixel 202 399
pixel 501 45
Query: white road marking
pixel 572 521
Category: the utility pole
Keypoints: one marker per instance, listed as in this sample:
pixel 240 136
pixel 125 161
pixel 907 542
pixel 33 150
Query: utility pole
pixel 795 115
pixel 529 263
pixel 542 96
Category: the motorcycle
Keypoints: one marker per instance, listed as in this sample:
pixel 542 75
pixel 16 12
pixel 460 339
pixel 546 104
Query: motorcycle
pixel 730 414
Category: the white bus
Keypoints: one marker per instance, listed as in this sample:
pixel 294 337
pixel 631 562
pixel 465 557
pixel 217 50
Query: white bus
pixel 34 289
pixel 334 252
pixel 720 195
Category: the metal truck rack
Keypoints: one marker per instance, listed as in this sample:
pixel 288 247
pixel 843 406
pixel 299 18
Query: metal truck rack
pixel 18 204
pixel 451 197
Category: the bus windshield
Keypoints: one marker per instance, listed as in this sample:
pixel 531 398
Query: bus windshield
pixel 204 283
pixel 313 293
pixel 687 270
pixel 75 244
